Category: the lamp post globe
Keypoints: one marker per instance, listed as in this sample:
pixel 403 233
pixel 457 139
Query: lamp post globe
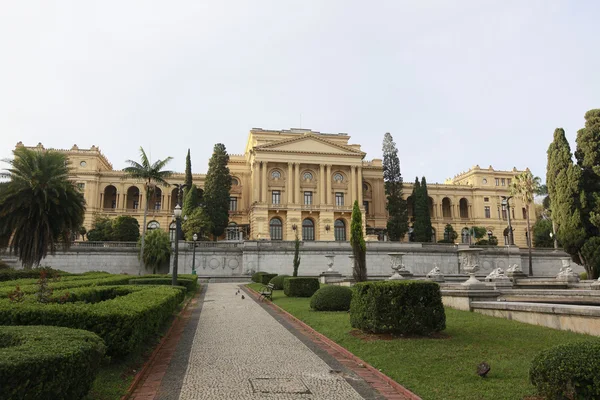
pixel 195 237
pixel 177 211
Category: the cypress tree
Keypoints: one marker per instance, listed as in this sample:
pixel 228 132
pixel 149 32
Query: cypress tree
pixel 425 214
pixel 415 196
pixel 191 200
pixel 397 224
pixel 188 173
pixel 216 190
pixel 359 247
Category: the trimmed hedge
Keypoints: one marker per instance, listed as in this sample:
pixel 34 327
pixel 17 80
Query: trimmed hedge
pixel 406 307
pixel 266 278
pixel 12 274
pixel 277 281
pixel 568 371
pixel 48 362
pixel 331 298
pixel 70 283
pixel 300 287
pixel 189 284
pixel 256 276
pixel 124 321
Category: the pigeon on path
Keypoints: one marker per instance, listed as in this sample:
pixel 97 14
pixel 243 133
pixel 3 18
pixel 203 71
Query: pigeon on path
pixel 243 297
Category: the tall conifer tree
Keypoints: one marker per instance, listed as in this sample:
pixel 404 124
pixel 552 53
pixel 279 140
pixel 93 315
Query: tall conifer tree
pixel 216 190
pixel 359 247
pixel 425 230
pixel 188 173
pixel 397 224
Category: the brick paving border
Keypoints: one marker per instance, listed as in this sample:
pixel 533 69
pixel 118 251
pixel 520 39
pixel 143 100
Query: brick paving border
pixel 147 381
pixel 385 385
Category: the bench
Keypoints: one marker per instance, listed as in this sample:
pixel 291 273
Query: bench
pixel 266 292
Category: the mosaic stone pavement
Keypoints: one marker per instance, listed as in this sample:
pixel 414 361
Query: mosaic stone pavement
pixel 239 351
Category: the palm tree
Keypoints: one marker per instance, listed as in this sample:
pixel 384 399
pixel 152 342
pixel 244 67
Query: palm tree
pixel 526 186
pixel 39 205
pixel 151 174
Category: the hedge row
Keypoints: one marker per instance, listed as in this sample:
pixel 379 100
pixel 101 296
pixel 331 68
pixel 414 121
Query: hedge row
pixel 124 321
pixel 413 307
pixel 300 287
pixel 568 371
pixel 66 284
pixel 47 362
pixel 277 281
pixel 189 284
pixel 62 278
pixel 256 277
pixel 12 274
pixel 266 278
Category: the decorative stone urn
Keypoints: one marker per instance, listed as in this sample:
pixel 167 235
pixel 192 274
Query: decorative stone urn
pixel 566 273
pixel 469 262
pixel 330 274
pixel 435 274
pixel 400 271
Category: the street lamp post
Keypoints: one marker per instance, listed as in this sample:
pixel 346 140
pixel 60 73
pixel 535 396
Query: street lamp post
pixel 195 237
pixel 506 203
pixel 177 215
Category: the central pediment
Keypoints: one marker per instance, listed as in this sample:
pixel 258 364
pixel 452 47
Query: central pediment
pixel 309 144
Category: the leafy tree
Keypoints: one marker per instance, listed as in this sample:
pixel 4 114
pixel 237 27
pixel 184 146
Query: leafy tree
pixel 493 241
pixel 82 231
pixel 216 190
pixel 422 228
pixel 359 247
pixel 125 228
pixel 152 174
pixel 101 229
pixel 197 223
pixel 296 253
pixel 188 175
pixel 541 233
pixel 191 200
pixel 397 224
pixel 479 233
pixel 525 186
pixel 450 234
pixel 39 205
pixel 158 249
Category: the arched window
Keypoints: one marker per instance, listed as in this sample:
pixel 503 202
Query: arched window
pixel 338 177
pixel 339 229
pixel 307 176
pixel 308 229
pixel 234 182
pixel 446 208
pixel 153 225
pixel 275 174
pixel 465 235
pixel 276 229
pixel 172 231
pixel 463 205
pixel 110 197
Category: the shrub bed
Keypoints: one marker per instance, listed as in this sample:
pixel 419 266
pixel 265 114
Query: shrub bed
pixel 123 321
pixel 568 371
pixel 331 298
pixel 413 307
pixel 300 287
pixel 12 274
pixel 256 276
pixel 47 362
pixel 189 284
pixel 277 281
pixel 266 278
pixel 66 284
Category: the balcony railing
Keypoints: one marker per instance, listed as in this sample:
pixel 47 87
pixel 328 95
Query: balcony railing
pixel 104 244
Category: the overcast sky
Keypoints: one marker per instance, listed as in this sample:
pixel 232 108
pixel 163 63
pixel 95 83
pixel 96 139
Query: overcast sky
pixel 457 83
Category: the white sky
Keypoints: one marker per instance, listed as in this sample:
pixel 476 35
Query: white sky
pixel 457 83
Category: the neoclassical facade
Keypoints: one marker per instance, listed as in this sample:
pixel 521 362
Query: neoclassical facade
pixel 303 181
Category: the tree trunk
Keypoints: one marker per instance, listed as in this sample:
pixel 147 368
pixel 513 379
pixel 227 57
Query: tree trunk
pixel 529 242
pixel 554 234
pixel 143 234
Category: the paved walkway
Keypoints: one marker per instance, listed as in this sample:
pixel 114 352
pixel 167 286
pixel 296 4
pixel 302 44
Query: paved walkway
pixel 240 351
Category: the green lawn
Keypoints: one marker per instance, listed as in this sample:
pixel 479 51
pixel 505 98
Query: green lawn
pixel 445 368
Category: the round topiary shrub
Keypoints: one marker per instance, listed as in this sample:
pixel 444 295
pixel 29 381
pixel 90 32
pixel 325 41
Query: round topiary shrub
pixel 331 298
pixel 568 371
pixel 277 281
pixel 266 278
pixel 256 277
pixel 405 307
pixel 48 362
pixel 300 287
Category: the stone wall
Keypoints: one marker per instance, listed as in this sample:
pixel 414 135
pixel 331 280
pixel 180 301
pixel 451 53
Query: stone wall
pixel 239 258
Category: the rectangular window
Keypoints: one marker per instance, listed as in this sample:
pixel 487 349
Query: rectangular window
pixel 276 197
pixel 157 205
pixel 486 199
pixel 497 182
pixel 498 212
pixel 503 182
pixel 504 214
pixel 488 213
pixel 233 204
pixel 81 186
pixel 366 206
pixel 308 198
pixel 509 181
pixel 339 199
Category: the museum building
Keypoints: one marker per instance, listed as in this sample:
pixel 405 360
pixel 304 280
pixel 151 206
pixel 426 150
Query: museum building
pixel 308 181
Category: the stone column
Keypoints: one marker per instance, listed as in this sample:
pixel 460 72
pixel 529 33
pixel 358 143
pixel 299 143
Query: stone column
pixel 289 188
pixel 353 184
pixel 360 186
pixel 322 197
pixel 263 197
pixel 328 184
pixel 297 179
pixel 255 181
